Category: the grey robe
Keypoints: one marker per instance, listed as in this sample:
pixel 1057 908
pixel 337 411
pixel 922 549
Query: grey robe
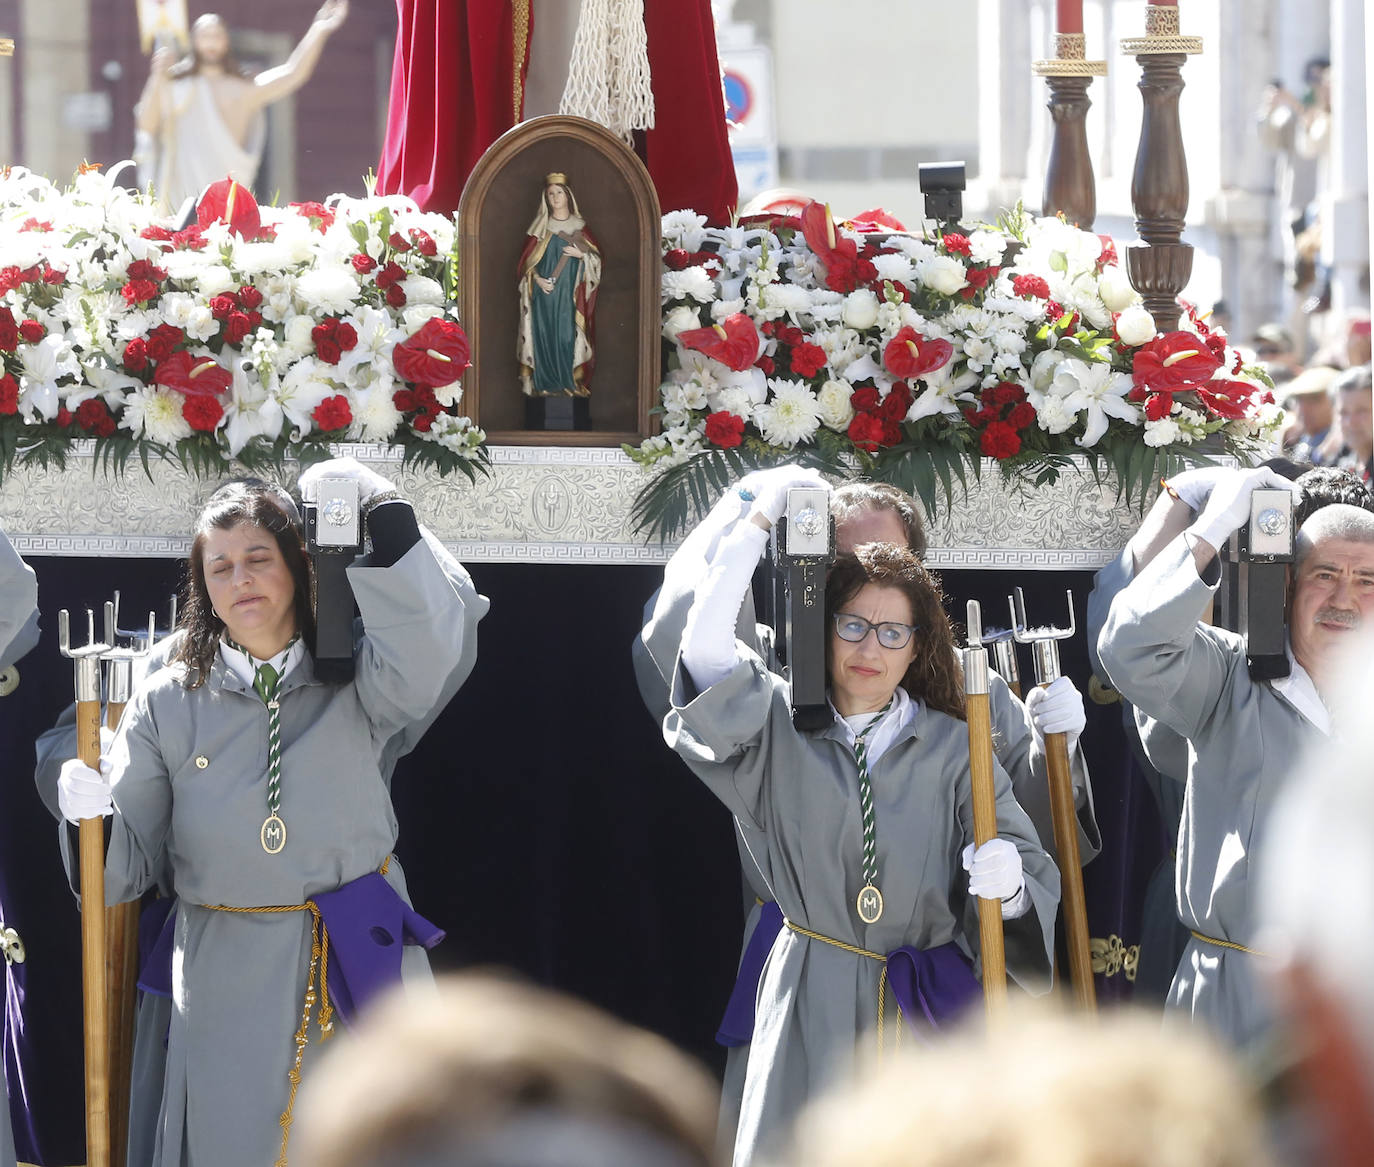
pixel 1246 739
pixel 239 979
pixel 796 798
pixel 18 634
pixel 654 653
pixel 154 1012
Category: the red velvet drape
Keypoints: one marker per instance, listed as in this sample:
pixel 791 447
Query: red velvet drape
pixel 452 96
pixel 687 152
pixel 452 86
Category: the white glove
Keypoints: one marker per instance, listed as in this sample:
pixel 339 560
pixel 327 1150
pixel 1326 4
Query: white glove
pixel 769 488
pixel 1057 708
pixel 370 483
pixel 994 870
pixel 1228 508
pixel 1194 487
pixel 83 793
pixel 708 640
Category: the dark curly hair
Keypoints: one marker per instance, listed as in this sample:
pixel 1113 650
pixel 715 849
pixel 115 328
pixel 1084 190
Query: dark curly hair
pixel 1323 485
pixel 934 675
pixel 252 501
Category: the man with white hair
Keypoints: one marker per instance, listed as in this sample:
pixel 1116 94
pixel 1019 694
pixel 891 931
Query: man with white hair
pixel 1245 737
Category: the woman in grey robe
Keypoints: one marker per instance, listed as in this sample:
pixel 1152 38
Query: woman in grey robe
pixel 190 785
pixel 797 799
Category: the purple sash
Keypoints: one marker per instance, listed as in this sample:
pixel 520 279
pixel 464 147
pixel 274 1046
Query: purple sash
pixel 368 923
pixel 157 926
pixel 737 1026
pixel 933 986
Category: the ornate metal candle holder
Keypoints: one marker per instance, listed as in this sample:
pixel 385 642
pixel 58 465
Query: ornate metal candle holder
pixel 1159 269
pixel 1070 188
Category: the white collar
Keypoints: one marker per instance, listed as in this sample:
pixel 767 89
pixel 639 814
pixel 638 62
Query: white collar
pixel 245 667
pixel 1300 691
pixel 882 735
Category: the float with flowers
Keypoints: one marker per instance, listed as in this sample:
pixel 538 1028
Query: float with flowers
pixel 255 334
pixel 921 359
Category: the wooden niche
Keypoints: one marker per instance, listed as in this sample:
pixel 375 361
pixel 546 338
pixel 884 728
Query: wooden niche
pixel 616 198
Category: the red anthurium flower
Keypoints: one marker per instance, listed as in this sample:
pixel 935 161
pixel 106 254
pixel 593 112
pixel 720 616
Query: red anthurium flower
pixel 875 220
pixel 734 342
pixel 840 256
pixel 436 355
pixel 1172 361
pixel 229 202
pixel 1228 399
pixel 909 355
pixel 192 375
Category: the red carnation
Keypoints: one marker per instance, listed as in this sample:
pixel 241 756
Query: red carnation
pixel 32 331
pixel 238 326
pixel 910 355
pixel 250 297
pixel 422 423
pixel 193 376
pixel 202 412
pixel 396 296
pixel 404 400
pixel 156 234
pixel 63 418
pixel 790 334
pixel 724 428
pixel 423 242
pixel 999 440
pixel 393 273
pixel 362 264
pixel 957 244
pixel 93 416
pixel 866 431
pixel 9 331
pixel 139 292
pixel 676 258
pixel 333 413
pixel 221 306
pixel 436 355
pixel 765 362
pixel 1021 415
pixel 136 355
pixel 397 242
pixel 9 394
pixel 54 279
pixel 808 359
pixel 163 340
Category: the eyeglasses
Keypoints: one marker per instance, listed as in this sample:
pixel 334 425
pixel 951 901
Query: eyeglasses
pixel 890 634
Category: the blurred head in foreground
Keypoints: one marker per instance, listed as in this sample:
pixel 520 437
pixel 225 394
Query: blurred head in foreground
pixel 1047 1089
pixel 485 1072
pixel 1313 901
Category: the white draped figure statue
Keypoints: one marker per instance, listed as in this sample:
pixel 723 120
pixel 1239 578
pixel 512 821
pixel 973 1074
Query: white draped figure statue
pixel 201 119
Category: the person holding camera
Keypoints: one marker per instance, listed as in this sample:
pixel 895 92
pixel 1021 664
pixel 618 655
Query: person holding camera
pixel 265 790
pixel 1234 739
pixel 862 830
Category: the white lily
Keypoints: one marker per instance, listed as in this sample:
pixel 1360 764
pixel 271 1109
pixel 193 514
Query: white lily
pixel 44 364
pixel 1097 389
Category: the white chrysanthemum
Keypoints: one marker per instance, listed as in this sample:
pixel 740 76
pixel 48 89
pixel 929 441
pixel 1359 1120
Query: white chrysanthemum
pixel 897 268
pixel 942 273
pixel 834 404
pixel 375 416
pixel 684 229
pixel 785 298
pixel 987 246
pixel 790 416
pixel 691 283
pixel 259 257
pixel 913 248
pixel 1009 340
pixel 155 413
pixel 1052 415
pixel 422 290
pixel 723 308
pixel 1163 432
pixel 327 291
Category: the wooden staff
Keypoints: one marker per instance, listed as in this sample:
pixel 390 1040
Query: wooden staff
pixel 121 920
pixel 1064 815
pixel 984 807
pixel 86 663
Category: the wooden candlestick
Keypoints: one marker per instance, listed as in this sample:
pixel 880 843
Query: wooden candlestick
pixel 1070 188
pixel 1159 268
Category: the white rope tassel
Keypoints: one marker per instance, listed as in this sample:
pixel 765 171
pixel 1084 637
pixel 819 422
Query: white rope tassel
pixel 608 77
